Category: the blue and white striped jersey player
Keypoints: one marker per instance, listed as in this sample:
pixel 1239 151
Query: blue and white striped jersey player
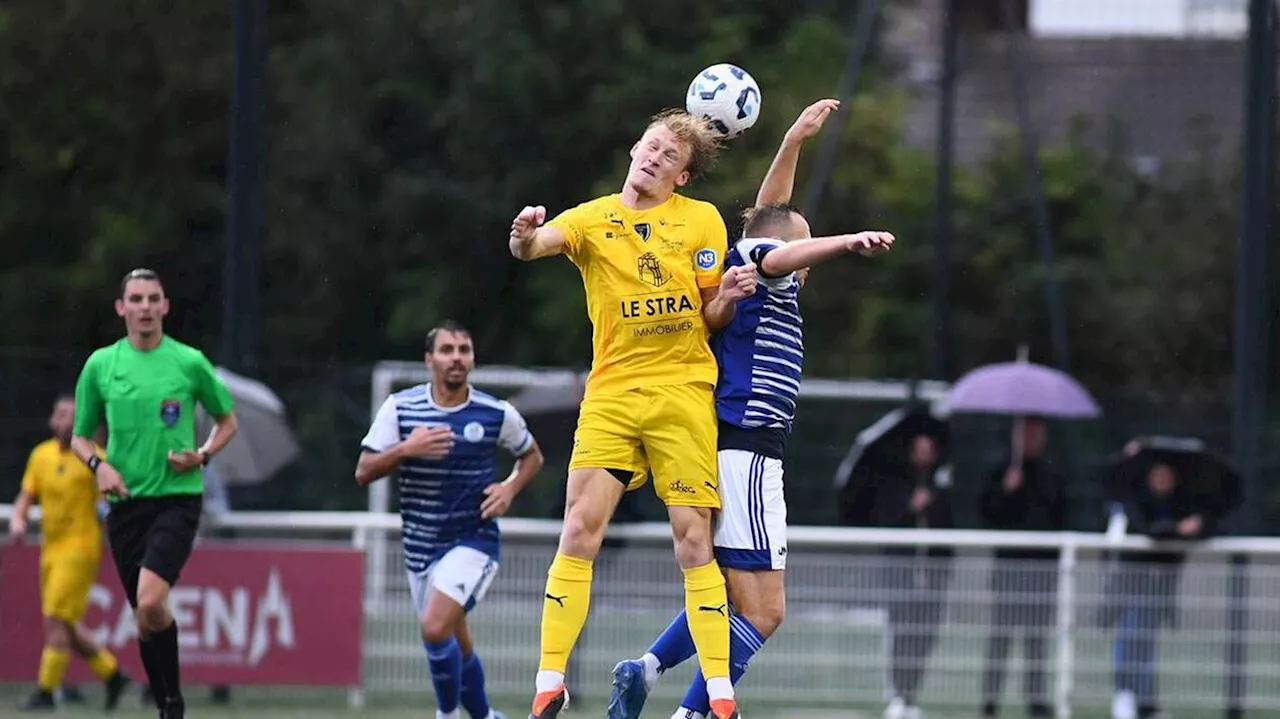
pixel 760 355
pixel 443 439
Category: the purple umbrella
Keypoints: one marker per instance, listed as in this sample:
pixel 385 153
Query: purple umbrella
pixel 1022 389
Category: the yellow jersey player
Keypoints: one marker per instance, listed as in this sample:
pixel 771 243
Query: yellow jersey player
pixel 69 555
pixel 652 265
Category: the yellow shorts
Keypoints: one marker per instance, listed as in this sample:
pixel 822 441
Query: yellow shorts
pixel 670 430
pixel 65 581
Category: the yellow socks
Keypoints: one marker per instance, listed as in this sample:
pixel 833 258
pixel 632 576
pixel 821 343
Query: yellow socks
pixel 707 606
pixel 564 611
pixel 53 665
pixel 103 664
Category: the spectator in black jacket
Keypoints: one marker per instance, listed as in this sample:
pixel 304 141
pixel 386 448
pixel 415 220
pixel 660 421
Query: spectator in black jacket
pixel 1144 588
pixel 915 578
pixel 1024 582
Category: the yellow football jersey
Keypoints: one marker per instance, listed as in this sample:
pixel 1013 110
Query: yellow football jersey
pixel 643 271
pixel 68 496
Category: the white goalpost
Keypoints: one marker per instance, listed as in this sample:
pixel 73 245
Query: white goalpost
pixel 389 376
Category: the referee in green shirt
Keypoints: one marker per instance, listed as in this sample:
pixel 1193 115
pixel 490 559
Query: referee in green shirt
pixel 146 386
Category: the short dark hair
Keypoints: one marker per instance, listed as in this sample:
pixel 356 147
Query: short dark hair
pixel 141 273
pixel 446 326
pixel 765 220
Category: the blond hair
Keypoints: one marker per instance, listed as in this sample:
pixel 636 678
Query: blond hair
pixel 694 132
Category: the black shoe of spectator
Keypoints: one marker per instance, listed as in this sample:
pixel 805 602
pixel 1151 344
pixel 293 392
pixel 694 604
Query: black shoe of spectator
pixel 990 710
pixel 1040 710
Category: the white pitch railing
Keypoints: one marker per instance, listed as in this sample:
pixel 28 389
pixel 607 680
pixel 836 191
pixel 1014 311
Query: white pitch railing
pixel 833 648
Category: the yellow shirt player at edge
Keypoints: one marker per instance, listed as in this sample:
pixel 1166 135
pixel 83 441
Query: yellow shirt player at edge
pixel 70 552
pixel 652 265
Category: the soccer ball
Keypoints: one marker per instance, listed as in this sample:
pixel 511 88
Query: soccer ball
pixel 727 97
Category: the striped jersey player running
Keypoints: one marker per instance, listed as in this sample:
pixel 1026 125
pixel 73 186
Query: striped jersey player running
pixel 443 438
pixel 760 355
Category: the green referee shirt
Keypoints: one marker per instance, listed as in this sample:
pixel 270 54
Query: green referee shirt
pixel 149 401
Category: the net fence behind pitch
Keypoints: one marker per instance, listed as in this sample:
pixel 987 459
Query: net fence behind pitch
pixel 835 647
pixel 847 600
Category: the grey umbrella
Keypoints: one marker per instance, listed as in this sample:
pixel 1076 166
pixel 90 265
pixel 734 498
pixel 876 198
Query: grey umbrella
pixel 265 442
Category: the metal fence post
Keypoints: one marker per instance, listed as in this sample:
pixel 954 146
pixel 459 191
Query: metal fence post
pixel 1066 625
pixel 359 540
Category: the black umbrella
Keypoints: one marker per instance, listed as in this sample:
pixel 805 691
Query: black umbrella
pixel 1212 479
pixel 881 449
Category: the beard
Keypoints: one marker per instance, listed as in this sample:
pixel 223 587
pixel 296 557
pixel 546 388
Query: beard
pixel 451 384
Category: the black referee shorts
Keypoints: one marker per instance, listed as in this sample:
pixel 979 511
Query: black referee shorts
pixel 153 532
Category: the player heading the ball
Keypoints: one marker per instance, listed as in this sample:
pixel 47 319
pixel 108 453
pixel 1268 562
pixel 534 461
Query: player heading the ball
pixel 649 403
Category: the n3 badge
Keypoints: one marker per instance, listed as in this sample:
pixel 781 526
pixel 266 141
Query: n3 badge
pixel 170 411
pixel 706 258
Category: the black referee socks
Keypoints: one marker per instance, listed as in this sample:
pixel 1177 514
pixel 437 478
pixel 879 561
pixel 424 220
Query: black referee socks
pixel 165 645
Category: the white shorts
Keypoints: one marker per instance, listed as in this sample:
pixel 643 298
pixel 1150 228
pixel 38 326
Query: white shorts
pixel 751 527
pixel 463 574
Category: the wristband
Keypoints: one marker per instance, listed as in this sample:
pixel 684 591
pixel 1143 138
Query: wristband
pixel 204 458
pixel 94 462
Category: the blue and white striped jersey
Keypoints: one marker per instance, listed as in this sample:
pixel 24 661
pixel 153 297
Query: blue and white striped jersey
pixel 761 355
pixel 440 498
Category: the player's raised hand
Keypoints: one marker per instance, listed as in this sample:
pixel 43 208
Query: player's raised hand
pixel 738 282
pixel 810 121
pixel 110 481
pixel 428 442
pixel 870 244
pixel 497 499
pixel 527 222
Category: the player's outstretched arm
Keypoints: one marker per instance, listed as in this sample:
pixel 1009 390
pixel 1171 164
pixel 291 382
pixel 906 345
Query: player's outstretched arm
pixel 779 182
pixel 799 254
pixel 530 240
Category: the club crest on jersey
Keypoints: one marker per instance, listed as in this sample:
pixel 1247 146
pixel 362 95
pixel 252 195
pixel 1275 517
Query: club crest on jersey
pixel 170 411
pixel 706 258
pixel 651 271
pixel 643 229
pixel 473 432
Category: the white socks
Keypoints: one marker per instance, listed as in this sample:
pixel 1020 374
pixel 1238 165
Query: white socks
pixel 719 688
pixel 652 670
pixel 683 713
pixel 548 681
pixel 451 715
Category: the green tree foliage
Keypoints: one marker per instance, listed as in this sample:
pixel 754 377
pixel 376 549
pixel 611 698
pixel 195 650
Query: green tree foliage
pixel 403 136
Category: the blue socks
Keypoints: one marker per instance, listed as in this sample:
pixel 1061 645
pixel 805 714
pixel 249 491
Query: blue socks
pixel 744 642
pixel 457 680
pixel 445 660
pixel 675 644
pixel 474 699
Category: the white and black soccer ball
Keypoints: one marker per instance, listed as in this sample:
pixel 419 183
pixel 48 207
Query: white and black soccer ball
pixel 727 96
